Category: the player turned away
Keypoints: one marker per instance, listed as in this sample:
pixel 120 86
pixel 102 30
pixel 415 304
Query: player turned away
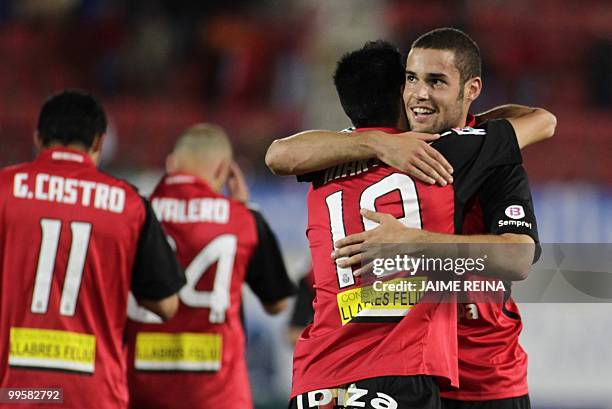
pixel 339 353
pixel 438 92
pixel 198 358
pixel 74 242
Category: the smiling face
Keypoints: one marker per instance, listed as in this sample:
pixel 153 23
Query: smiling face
pixel 435 96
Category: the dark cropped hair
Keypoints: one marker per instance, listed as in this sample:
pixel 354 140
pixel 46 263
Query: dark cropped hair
pixel 467 53
pixel 369 83
pixel 72 116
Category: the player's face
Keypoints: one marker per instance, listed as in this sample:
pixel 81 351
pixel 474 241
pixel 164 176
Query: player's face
pixel 433 93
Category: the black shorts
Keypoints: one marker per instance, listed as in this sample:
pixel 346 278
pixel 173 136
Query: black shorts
pixel 387 392
pixel 522 402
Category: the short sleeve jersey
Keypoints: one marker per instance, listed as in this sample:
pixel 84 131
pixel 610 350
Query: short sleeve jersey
pixel 73 242
pixel 200 353
pixel 348 340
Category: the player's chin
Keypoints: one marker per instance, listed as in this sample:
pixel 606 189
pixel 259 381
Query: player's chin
pixel 428 126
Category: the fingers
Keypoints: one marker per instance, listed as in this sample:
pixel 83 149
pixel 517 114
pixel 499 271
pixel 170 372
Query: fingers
pixel 374 216
pixel 347 251
pixel 423 166
pixel 350 261
pixel 438 157
pixel 237 184
pixel 441 175
pixel 418 174
pixel 352 239
pixel 363 270
pixel 426 136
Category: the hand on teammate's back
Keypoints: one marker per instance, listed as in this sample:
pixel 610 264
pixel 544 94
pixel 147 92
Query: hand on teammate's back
pixel 411 153
pixel 236 184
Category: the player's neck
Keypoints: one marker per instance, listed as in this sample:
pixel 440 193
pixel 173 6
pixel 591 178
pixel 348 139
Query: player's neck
pixel 206 177
pixel 72 146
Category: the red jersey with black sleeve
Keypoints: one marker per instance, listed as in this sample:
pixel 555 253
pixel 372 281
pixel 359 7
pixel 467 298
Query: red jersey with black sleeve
pixel 73 242
pixel 198 358
pixel 350 340
pixel 492 363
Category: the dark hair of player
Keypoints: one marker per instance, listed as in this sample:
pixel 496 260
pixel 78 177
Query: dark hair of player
pixel 70 117
pixel 467 53
pixel 369 83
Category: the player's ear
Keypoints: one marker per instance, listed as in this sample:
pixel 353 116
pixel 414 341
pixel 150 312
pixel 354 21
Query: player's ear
pixel 222 170
pixel 472 88
pixel 96 145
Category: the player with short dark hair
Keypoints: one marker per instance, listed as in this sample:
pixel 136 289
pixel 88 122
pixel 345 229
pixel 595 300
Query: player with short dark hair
pixel 222 244
pixel 73 242
pixel 70 117
pixel 465 50
pixel 392 358
pixel 375 68
pixel 437 96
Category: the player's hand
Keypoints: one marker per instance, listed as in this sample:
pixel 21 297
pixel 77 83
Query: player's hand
pixel 236 184
pixel 410 153
pixel 353 250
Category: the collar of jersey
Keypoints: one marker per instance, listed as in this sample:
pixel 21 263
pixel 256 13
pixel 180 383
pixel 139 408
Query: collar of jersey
pixel 470 121
pixel 64 154
pixel 195 179
pixel 375 128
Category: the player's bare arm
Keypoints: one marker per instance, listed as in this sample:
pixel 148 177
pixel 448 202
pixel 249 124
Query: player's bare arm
pixel 513 263
pixel 164 308
pixel 531 125
pixel 311 151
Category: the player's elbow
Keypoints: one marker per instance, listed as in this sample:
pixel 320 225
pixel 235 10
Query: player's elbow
pixel 277 158
pixel 276 307
pixel 549 123
pixel 520 252
pixel 165 308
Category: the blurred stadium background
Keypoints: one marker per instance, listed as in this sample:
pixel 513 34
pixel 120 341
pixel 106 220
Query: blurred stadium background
pixel 262 69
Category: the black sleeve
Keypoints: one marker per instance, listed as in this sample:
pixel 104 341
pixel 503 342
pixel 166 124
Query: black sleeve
pixel 302 311
pixel 156 274
pixel 474 152
pixel 507 205
pixel 266 273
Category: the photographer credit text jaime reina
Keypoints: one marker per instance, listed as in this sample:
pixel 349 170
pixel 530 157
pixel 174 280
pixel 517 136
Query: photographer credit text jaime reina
pixel 423 265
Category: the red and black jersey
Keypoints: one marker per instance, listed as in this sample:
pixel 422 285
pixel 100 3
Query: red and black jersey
pixel 492 363
pixel 73 242
pixel 198 358
pixel 348 340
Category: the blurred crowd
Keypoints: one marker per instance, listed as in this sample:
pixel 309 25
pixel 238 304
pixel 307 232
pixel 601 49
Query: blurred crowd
pixel 161 65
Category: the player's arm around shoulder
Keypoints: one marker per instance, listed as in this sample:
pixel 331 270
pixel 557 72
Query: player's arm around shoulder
pixel 531 125
pixel 311 151
pixel 156 276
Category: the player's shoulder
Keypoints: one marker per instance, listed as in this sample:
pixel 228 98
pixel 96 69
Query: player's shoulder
pixel 7 171
pixel 113 180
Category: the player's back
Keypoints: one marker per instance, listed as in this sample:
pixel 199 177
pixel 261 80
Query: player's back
pixel 368 341
pixel 201 351
pixel 68 239
pixel 350 340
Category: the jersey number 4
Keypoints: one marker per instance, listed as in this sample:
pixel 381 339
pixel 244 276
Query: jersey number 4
pixel 51 229
pixel 221 250
pixel 336 207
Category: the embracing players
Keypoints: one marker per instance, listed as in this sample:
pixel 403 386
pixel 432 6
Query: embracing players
pixel 442 80
pixel 222 244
